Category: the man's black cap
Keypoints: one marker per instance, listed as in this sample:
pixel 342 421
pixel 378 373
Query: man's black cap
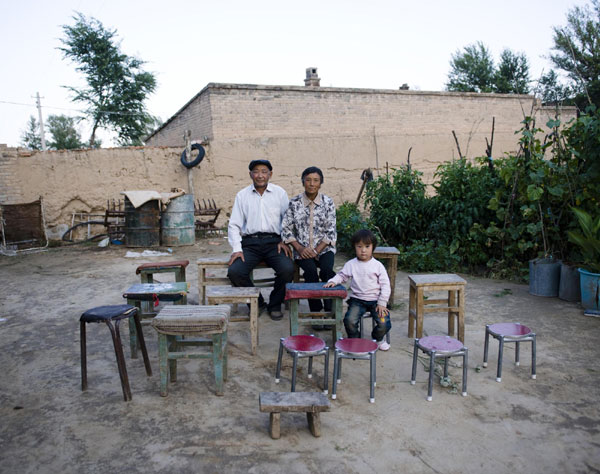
pixel 254 163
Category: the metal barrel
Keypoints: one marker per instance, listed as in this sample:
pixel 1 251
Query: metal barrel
pixel 142 224
pixel 177 222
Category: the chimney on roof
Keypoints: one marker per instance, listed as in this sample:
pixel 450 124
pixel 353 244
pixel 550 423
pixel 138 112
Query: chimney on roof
pixel 312 78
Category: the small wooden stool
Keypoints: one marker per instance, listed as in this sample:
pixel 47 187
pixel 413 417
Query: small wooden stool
pixel 389 257
pixel 108 315
pixel 274 403
pixel 509 332
pixel 152 292
pixel 294 292
pixel 206 277
pixel 235 295
pixel 173 323
pixel 303 346
pixel 438 347
pixel 147 270
pixel 355 348
pixel 455 303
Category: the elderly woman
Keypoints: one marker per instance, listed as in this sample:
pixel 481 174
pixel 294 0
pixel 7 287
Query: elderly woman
pixel 309 227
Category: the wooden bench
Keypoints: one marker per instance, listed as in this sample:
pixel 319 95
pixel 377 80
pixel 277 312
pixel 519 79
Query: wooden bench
pixel 313 403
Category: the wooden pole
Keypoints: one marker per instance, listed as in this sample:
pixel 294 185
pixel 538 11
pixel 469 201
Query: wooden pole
pixel 187 136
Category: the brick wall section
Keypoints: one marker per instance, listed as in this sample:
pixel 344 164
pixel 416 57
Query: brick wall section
pixel 11 189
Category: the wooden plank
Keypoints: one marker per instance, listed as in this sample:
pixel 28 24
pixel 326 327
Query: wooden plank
pixel 278 402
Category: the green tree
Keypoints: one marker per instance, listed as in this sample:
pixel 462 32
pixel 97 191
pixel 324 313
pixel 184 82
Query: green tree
pixel 30 138
pixel 64 135
pixel 552 92
pixel 512 74
pixel 117 86
pixel 577 52
pixel 471 70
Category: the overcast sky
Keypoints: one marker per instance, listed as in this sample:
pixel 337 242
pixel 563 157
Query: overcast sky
pixel 187 44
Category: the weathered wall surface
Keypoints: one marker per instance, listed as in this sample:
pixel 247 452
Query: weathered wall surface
pixel 350 129
pixel 341 131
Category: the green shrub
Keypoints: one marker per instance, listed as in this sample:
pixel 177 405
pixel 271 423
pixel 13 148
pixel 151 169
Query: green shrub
pixel 348 221
pixel 427 256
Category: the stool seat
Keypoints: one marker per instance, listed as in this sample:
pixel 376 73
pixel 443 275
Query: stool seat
pixel 509 329
pixel 101 314
pixel 162 265
pixel 304 343
pixel 313 290
pixel 356 346
pixel 440 344
pixel 180 320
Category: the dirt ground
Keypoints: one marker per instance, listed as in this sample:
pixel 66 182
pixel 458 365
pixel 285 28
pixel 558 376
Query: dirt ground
pixel 49 425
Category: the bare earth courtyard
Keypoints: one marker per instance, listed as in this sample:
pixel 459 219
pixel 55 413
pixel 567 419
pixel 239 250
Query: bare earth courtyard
pixel 551 424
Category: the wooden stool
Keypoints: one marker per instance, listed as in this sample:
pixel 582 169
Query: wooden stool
pixel 108 314
pixel 206 277
pixel 454 304
pixel 177 324
pixel 153 292
pixel 274 403
pixel 509 332
pixel 438 347
pixel 235 295
pixel 147 270
pixel 389 257
pixel 303 346
pixel 355 348
pixel 294 292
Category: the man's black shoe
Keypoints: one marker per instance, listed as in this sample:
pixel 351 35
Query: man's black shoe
pixel 276 315
pixel 319 327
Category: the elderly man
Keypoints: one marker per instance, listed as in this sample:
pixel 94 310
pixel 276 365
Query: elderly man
pixel 254 234
pixel 309 226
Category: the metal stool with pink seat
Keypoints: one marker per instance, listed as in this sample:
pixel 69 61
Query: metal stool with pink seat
pixel 509 332
pixel 440 347
pixel 303 346
pixel 355 348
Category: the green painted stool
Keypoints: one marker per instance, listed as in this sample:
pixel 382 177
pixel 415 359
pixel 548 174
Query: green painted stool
pixel 183 326
pixel 294 292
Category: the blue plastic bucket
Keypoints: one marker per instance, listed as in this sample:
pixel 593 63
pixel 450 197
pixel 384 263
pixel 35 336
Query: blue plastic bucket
pixel 590 289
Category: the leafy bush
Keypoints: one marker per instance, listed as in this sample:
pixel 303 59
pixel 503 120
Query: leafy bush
pixel 348 221
pixel 427 256
pixel 398 205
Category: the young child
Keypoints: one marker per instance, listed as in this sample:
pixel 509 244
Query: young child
pixel 370 288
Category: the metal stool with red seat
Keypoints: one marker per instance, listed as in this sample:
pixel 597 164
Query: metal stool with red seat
pixel 354 348
pixel 440 347
pixel 509 332
pixel 303 346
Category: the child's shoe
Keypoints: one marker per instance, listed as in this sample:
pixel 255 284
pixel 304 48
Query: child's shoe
pixel 383 345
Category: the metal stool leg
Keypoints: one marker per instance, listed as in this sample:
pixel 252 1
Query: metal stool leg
pixel 295 366
pixel 500 354
pixel 142 342
pixel 82 342
pixel 413 376
pixel 431 370
pixel 372 360
pixel 486 346
pixel 116 336
pixel 533 353
pixel 326 372
pixel 310 361
pixel 279 356
pixel 446 367
pixel 464 381
pixel 517 347
pixel 335 374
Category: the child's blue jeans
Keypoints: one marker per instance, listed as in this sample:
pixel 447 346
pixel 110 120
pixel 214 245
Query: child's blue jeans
pixel 358 307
